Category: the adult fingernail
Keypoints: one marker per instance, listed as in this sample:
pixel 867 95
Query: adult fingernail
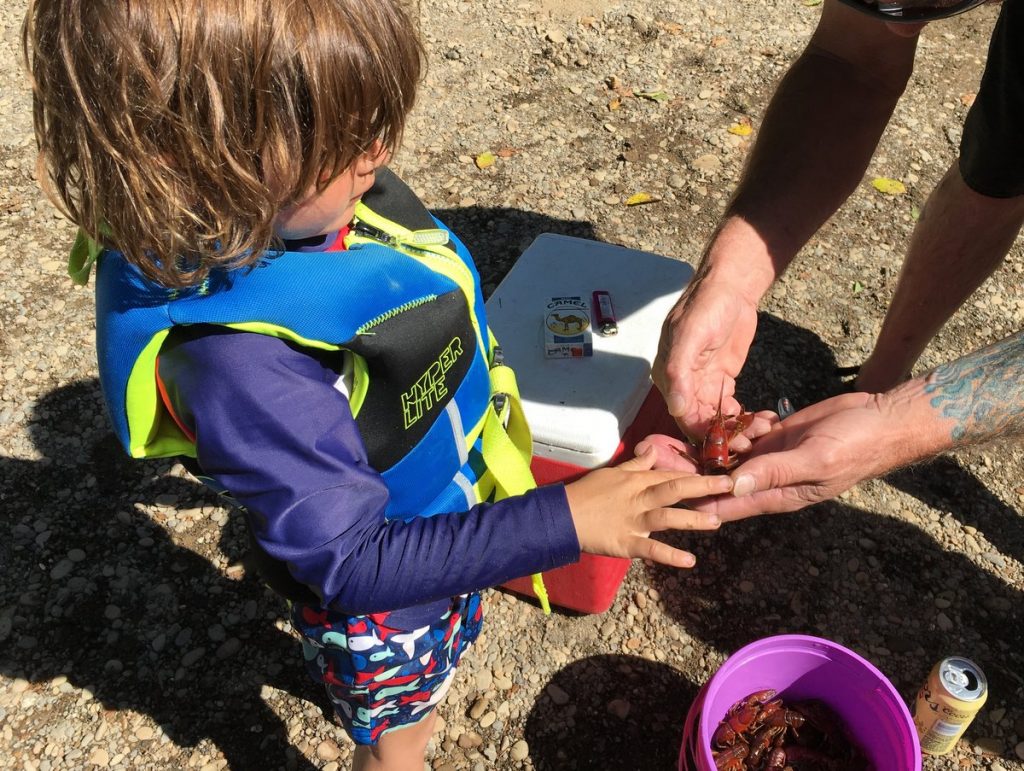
pixel 743 485
pixel 676 403
pixel 713 520
pixel 643 448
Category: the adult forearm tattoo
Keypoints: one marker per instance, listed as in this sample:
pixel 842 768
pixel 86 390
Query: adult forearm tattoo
pixel 983 392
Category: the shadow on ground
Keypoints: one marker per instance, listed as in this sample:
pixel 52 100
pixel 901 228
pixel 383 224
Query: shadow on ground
pixel 586 734
pixel 497 236
pixel 144 624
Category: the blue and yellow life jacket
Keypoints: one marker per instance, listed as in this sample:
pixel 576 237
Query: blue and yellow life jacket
pixel 437 409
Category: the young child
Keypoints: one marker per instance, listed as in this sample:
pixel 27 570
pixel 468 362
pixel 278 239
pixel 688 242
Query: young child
pixel 277 306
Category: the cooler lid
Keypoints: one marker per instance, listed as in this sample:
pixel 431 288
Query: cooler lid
pixel 579 409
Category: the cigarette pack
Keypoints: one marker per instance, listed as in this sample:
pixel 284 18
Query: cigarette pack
pixel 567 328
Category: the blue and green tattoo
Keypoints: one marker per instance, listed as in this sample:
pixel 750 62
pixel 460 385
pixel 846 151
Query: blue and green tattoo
pixel 983 392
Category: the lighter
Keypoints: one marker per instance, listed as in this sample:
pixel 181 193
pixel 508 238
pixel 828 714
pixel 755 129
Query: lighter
pixel 604 313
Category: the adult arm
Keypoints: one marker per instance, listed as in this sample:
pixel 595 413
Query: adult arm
pixel 828 447
pixel 813 147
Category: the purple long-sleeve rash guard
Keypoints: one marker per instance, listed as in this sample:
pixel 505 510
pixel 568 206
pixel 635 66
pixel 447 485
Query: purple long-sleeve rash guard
pixel 272 428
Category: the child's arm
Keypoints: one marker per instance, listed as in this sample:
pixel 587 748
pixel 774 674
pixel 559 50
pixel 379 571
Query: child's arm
pixel 272 428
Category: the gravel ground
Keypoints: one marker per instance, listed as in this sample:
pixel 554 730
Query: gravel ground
pixel 131 636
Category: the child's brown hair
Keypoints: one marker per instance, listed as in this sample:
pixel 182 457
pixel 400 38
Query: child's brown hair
pixel 180 127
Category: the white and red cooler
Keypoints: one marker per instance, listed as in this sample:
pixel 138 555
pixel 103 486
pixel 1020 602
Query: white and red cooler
pixel 589 411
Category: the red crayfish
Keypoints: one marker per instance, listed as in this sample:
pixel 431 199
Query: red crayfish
pixel 745 715
pixel 761 733
pixel 715 455
pixel 732 759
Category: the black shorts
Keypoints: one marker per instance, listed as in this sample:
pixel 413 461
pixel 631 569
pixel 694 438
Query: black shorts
pixel 992 149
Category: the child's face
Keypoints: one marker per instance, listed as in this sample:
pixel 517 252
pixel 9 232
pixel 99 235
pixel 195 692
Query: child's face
pixel 332 208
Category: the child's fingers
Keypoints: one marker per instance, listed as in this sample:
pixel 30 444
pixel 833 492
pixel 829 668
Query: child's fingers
pixel 656 551
pixel 675 488
pixel 643 461
pixel 657 520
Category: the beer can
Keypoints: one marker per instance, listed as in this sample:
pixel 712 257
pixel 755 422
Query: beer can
pixel 952 695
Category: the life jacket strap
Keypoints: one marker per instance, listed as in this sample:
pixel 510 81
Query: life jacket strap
pixel 507 446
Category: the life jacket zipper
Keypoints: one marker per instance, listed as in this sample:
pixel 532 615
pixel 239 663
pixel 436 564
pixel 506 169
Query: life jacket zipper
pixel 415 239
pixel 365 328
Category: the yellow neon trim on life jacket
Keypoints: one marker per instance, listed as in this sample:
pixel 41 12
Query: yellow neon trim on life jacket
pixel 152 433
pixel 83 255
pixel 360 383
pixel 508 448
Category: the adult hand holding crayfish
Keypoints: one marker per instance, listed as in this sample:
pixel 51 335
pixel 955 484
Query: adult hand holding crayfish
pixel 825 449
pixel 704 343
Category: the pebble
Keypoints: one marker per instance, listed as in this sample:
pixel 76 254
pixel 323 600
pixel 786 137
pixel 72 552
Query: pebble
pixel 229 648
pixel 989 745
pixel 99 757
pixel 328 750
pixel 998 604
pixel 1019 750
pixel 519 751
pixel 488 719
pixel 708 163
pixel 995 558
pixel 484 679
pixel 558 696
pixel 470 740
pixel 620 708
pixel 479 708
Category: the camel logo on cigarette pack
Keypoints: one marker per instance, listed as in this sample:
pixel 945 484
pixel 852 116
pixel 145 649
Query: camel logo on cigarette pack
pixel 567 328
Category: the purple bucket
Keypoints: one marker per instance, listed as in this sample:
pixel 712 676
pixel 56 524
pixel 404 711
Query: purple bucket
pixel 802 667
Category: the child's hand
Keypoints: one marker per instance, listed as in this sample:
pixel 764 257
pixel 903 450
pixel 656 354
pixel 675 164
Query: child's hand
pixel 616 509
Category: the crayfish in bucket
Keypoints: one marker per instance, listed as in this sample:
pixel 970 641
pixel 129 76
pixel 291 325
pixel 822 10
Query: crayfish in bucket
pixel 714 454
pixel 762 733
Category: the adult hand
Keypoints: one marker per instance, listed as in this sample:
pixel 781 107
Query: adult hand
pixel 814 455
pixel 704 343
